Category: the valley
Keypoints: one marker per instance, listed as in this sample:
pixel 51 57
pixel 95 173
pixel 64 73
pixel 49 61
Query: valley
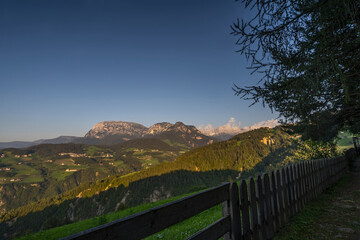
pixel 73 182
pixel 46 170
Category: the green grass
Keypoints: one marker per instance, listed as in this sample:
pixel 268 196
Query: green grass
pixel 33 179
pixel 65 161
pixel 178 231
pixel 190 226
pixel 176 144
pixel 92 150
pixel 335 209
pixel 344 148
pixel 118 163
pixel 60 175
pixel 9 160
pixel 344 141
pixel 27 174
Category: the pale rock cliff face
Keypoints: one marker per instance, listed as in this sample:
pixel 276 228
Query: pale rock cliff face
pixel 103 129
pixel 158 128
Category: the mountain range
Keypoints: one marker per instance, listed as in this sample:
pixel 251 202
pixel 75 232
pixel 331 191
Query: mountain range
pixel 24 144
pixel 114 132
pixel 109 148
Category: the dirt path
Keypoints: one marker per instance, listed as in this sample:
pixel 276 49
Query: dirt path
pixel 334 215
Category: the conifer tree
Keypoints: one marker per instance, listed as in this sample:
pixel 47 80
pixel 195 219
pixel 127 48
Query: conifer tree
pixel 308 54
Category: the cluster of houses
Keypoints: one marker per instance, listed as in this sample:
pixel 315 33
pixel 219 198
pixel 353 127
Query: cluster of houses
pixel 5 169
pixel 24 156
pixel 70 170
pixel 15 180
pixel 2 155
pixel 11 180
pixel 106 155
pixel 74 154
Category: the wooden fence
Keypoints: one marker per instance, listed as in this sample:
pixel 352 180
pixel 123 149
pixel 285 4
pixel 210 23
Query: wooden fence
pixel 356 145
pixel 263 206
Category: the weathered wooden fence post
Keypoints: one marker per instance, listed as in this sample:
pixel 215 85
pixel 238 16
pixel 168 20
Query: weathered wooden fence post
pixel 244 203
pixel 275 206
pixel 280 196
pixel 286 194
pixel 253 210
pixel 268 208
pixel 261 202
pixel 231 208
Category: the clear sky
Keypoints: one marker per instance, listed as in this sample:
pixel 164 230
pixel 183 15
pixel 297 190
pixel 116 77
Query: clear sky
pixel 67 64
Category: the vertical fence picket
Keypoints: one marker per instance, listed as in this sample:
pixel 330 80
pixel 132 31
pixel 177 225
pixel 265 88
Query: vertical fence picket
pixel 285 193
pixel 316 178
pixel 298 183
pixel 280 195
pixel 245 210
pixel 307 181
pixel 235 212
pixel 225 212
pixel 337 169
pixel 304 190
pixel 275 203
pixel 294 191
pixel 253 210
pixel 302 185
pixel 261 202
pixel 330 171
pixel 268 208
pixel 290 190
pixel 312 179
pixel 297 187
pixel 323 175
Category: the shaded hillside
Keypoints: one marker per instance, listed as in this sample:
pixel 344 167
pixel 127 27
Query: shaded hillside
pixel 145 190
pixel 148 143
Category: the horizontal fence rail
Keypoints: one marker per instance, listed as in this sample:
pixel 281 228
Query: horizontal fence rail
pixel 256 209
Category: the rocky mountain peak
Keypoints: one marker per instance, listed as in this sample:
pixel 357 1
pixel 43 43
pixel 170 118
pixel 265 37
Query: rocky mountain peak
pixel 111 132
pixel 181 127
pixel 159 128
pixel 106 128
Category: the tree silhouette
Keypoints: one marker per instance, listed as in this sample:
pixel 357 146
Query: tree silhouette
pixel 308 54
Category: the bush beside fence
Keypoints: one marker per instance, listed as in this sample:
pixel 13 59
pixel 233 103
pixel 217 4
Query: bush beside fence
pixel 256 209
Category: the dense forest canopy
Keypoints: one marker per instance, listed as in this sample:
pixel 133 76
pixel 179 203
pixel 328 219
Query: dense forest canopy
pixel 308 54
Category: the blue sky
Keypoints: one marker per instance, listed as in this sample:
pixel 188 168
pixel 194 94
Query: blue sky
pixel 66 65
